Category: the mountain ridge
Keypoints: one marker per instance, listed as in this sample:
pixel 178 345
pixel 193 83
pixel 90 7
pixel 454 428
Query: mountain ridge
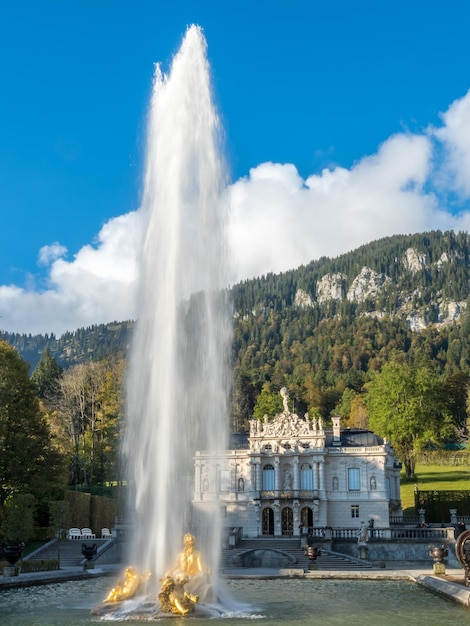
pixel 421 281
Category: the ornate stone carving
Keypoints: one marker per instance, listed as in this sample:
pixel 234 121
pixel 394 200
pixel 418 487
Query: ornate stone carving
pixel 284 425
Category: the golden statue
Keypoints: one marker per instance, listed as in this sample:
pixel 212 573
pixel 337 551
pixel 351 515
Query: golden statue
pixel 127 588
pixel 189 560
pixel 186 582
pixel 173 598
pixel 181 589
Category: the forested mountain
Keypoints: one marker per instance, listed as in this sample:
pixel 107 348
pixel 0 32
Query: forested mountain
pixel 323 328
pixel 93 343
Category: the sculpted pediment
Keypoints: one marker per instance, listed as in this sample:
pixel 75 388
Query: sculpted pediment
pixel 286 425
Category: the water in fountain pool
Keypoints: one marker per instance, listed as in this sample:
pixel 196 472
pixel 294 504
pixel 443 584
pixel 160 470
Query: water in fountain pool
pixel 273 602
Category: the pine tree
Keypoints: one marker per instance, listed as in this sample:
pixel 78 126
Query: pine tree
pixel 46 375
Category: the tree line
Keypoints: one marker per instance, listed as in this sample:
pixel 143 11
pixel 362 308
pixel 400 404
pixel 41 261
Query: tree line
pixel 59 429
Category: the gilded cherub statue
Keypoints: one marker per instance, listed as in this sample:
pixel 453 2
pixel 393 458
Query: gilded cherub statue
pixel 187 582
pixel 127 588
pixel 173 597
pixel 189 560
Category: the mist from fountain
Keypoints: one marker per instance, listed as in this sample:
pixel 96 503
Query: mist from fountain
pixel 178 372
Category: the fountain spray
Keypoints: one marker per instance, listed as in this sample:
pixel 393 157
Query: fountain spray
pixel 178 372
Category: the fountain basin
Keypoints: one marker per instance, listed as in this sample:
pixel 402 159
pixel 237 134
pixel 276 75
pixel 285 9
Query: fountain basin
pixel 277 602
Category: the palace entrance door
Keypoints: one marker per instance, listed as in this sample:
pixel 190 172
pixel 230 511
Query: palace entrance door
pixel 268 521
pixel 287 521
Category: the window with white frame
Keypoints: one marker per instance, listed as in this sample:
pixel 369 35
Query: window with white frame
pixel 306 477
pixel 224 480
pixel 354 479
pixel 268 478
pixel 354 510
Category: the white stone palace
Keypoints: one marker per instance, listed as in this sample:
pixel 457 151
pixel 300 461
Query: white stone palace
pixel 290 475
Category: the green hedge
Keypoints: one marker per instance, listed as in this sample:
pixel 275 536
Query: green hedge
pixel 437 503
pixel 87 511
pixel 38 565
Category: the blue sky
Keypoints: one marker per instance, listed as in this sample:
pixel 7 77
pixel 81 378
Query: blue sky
pixel 325 97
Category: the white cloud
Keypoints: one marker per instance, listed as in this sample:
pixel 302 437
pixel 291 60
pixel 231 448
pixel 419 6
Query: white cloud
pixel 97 286
pixel 282 221
pixel 48 254
pixel 278 221
pixel 455 136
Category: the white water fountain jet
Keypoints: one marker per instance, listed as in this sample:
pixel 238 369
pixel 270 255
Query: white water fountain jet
pixel 177 388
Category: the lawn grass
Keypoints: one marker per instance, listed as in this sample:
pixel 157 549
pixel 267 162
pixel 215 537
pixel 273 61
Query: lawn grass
pixel 434 477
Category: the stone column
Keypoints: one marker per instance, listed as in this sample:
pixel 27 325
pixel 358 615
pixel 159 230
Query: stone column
pixel 277 519
pixel 259 476
pixel 296 518
pixel 276 474
pixel 322 476
pixel 296 481
pixel 252 476
pixel 315 475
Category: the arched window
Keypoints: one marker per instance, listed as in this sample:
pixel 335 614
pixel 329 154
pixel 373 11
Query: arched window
pixel 268 447
pixel 306 518
pixel 287 521
pixel 268 478
pixel 306 477
pixel 268 521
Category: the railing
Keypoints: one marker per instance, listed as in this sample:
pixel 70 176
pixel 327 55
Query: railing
pixel 400 520
pixel 344 533
pixel 392 533
pixel 422 533
pixel 359 450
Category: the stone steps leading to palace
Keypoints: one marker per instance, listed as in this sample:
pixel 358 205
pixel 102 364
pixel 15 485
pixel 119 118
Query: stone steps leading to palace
pixel 68 550
pixel 326 562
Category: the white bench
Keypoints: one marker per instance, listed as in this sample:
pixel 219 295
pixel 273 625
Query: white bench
pixel 87 533
pixel 74 533
pixel 105 533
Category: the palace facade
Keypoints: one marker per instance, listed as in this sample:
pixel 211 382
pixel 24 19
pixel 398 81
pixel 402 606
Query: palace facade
pixel 289 475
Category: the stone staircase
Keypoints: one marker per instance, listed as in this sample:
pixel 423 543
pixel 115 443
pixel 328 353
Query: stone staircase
pixel 333 561
pixel 328 561
pixel 70 551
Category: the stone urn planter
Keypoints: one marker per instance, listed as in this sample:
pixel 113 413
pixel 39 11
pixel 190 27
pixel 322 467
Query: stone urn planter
pixel 89 551
pixel 438 554
pixel 12 552
pixel 312 553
